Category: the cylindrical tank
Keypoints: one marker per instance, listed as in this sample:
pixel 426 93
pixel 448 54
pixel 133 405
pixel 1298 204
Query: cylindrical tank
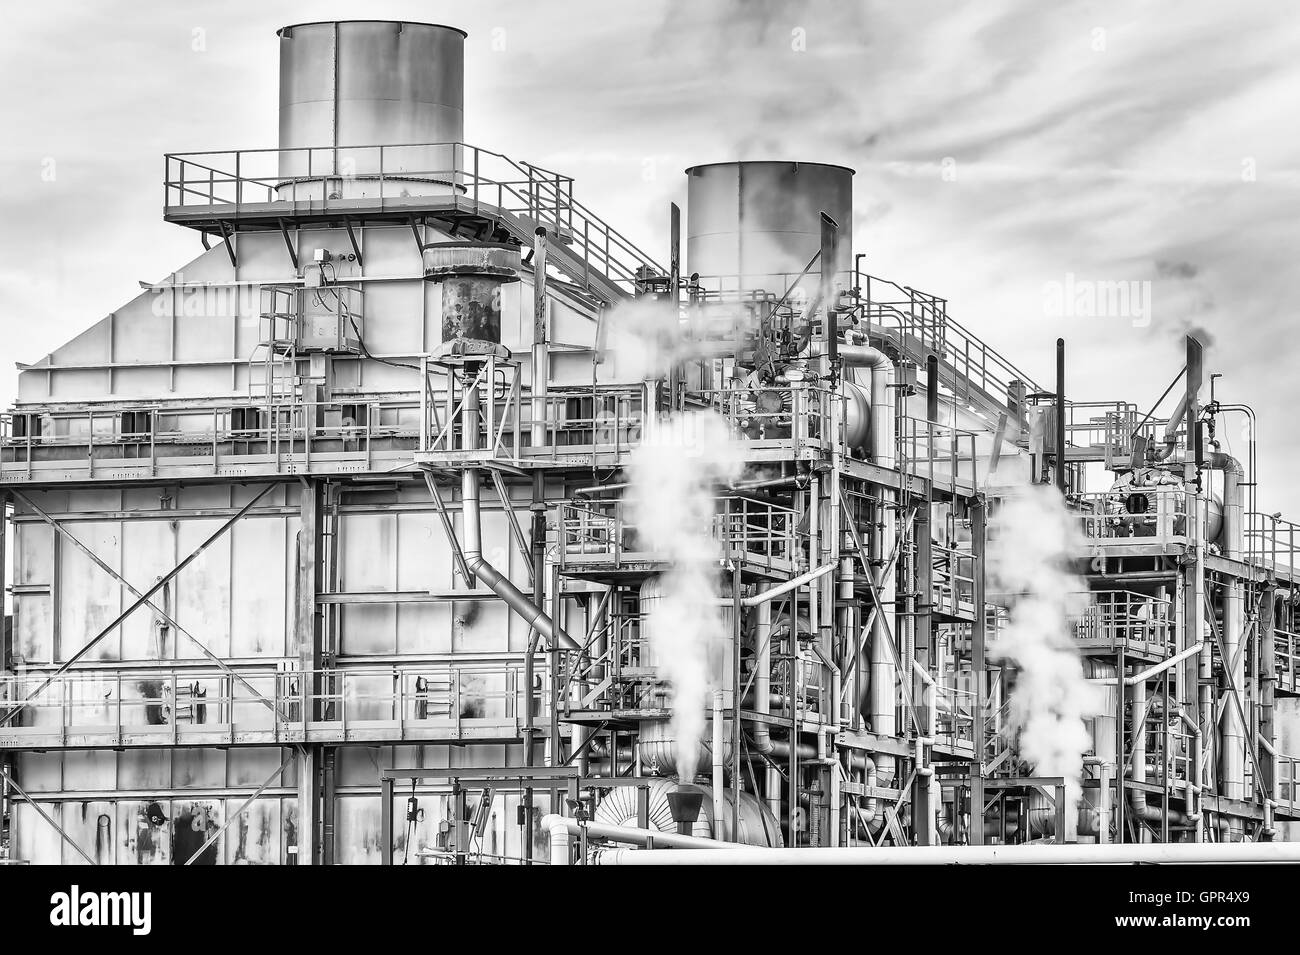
pixel 755 225
pixel 471 275
pixel 758 827
pixel 349 87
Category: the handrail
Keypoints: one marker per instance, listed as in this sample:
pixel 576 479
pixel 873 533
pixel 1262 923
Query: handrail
pixel 194 180
pixel 134 703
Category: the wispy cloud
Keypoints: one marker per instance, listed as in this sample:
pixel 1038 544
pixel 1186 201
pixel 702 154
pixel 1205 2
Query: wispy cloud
pixel 1099 139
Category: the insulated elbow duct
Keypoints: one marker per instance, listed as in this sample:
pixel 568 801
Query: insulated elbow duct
pixel 1171 429
pixel 497 582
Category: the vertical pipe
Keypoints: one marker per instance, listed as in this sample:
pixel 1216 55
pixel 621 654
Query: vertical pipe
pixel 675 373
pixel 1120 748
pixel 763 676
pixel 829 254
pixel 1268 679
pixel 385 819
pixel 735 697
pixel 932 388
pixel 978 638
pixel 1060 415
pixel 541 356
pixel 719 777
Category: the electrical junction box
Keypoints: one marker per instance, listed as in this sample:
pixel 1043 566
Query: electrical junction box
pixel 330 320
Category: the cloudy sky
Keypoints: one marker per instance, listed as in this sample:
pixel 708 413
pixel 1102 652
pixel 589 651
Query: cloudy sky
pixel 1000 147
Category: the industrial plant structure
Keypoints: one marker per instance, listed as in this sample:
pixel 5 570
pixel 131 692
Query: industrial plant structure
pixel 323 547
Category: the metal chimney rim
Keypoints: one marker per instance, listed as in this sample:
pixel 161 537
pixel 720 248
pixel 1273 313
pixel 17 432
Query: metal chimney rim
pixel 769 162
pixel 286 30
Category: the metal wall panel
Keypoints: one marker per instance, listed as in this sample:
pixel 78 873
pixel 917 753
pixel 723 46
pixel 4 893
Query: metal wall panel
pixel 203 589
pixel 88 598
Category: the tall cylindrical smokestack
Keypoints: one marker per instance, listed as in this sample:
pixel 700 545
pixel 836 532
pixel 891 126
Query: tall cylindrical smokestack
pixel 369 83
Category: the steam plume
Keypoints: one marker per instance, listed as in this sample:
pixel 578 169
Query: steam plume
pixel 1032 539
pixel 648 337
pixel 673 474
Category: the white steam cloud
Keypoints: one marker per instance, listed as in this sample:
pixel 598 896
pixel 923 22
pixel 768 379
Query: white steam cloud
pixel 673 474
pixel 1032 538
pixel 647 337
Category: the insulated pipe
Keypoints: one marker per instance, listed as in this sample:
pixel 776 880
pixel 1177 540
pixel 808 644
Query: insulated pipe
pixel 1060 415
pixel 1193 783
pixel 719 779
pixel 562 828
pixel 534 616
pixel 559 839
pixel 541 355
pixel 1174 853
pixel 869 812
pixel 883 716
pixel 1171 428
pixel 780 589
pixel 1159 668
pixel 763 682
pixel 1137 797
pixel 1232 755
pixel 883 676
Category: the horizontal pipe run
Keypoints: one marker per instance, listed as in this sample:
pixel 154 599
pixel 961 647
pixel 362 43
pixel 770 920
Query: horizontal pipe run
pixel 629 835
pixel 792 584
pixel 1148 673
pixel 1090 854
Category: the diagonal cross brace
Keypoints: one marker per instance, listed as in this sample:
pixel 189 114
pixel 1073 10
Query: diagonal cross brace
pixel 46 816
pixel 168 618
pixel 1233 690
pixel 240 811
pixel 448 529
pixel 140 601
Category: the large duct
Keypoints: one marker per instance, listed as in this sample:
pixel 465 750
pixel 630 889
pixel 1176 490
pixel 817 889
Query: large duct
pixel 349 87
pixel 756 225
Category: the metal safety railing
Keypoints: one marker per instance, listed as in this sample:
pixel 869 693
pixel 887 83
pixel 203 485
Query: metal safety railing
pixel 150 437
pixel 941 454
pixel 1109 428
pixel 1286 659
pixel 889 309
pixel 1287 776
pixel 248 182
pixel 575 421
pixel 955 709
pixel 795 417
pixel 1114 618
pixel 953 581
pixel 203 706
pixel 1152 514
pixel 1273 542
pixel 761 533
